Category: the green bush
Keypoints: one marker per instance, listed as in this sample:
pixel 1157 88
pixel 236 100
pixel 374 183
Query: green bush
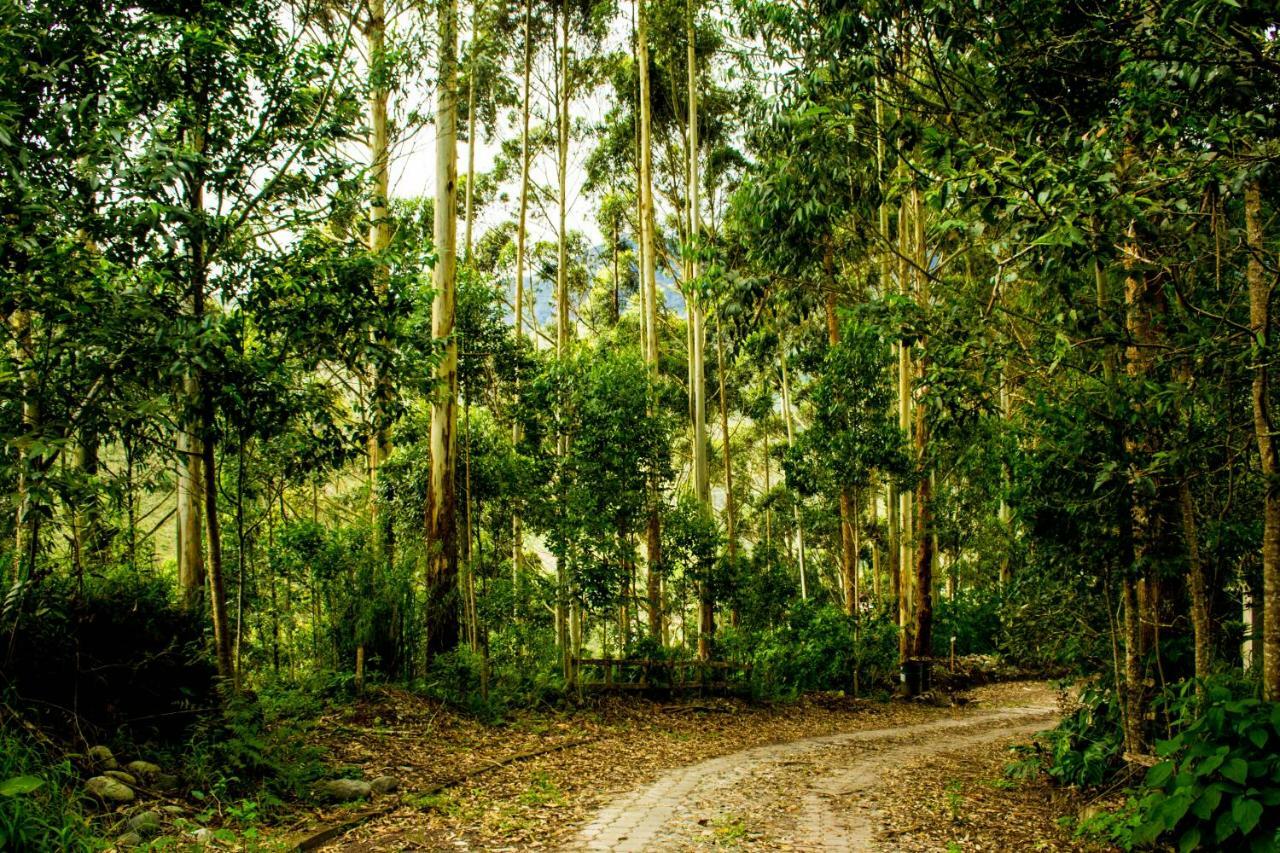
pixel 522 670
pixel 1218 787
pixel 1052 619
pixel 1087 747
pixel 120 651
pixel 38 806
pixel 972 617
pixel 243 753
pixel 815 649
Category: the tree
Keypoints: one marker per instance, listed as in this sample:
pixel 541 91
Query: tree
pixel 442 522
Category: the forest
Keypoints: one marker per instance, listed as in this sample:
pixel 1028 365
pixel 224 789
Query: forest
pixel 438 420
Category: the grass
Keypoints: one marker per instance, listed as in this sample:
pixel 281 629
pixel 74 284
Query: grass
pixel 729 829
pixel 954 793
pixel 542 791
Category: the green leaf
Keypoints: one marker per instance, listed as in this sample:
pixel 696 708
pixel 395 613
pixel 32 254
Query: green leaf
pixel 1190 840
pixel 16 785
pixel 1209 765
pixel 1246 813
pixel 1160 774
pixel 1208 802
pixel 1237 770
pixel 1224 828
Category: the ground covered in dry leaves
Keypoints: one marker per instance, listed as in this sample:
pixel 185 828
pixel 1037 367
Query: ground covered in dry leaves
pixel 461 788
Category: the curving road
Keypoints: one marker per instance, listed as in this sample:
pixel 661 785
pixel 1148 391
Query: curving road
pixel 811 794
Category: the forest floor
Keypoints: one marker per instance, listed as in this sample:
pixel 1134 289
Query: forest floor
pixel 824 773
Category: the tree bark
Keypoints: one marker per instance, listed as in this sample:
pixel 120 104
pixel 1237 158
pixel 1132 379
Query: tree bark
pixel 848 556
pixel 649 287
pixel 1260 325
pixel 1142 308
pixel 922 639
pixel 27 521
pixel 1005 516
pixel 469 214
pixel 566 615
pixel 217 586
pixel 730 522
pixel 702 480
pixel 442 527
pixel 379 241
pixel 786 414
pixel 906 532
pixel 1201 620
pixel 517 531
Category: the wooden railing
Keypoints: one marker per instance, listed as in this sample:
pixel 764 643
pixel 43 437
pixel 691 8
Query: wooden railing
pixel 646 674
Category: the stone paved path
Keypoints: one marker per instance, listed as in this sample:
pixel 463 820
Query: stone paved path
pixel 804 795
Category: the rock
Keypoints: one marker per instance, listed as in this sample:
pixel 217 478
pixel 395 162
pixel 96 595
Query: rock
pixel 129 839
pixel 102 757
pixel 204 836
pixel 145 823
pixel 109 790
pixel 385 785
pixel 165 782
pixel 121 776
pixel 145 769
pixel 343 790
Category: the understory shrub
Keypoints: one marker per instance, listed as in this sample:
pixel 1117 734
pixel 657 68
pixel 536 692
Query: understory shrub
pixel 1218 785
pixel 1087 747
pixel 972 616
pixel 522 670
pixel 1051 618
pixel 815 649
pixel 38 805
pixel 243 752
pixel 116 659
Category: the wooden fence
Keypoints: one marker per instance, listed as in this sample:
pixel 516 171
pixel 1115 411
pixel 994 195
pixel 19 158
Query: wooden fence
pixel 643 674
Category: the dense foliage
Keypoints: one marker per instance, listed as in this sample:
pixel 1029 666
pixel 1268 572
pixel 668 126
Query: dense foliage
pixel 813 341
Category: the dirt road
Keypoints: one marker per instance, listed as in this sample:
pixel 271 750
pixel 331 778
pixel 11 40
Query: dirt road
pixel 812 794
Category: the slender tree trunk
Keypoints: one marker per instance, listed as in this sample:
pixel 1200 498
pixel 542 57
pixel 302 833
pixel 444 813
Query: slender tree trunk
pixel 894 552
pixel 26 522
pixel 1141 310
pixel 730 522
pixel 517 531
pixel 442 526
pixel 275 603
pixel 906 534
pixel 649 288
pixel 768 465
pixel 922 641
pixel 1260 325
pixel 1134 703
pixel 876 591
pixel 1005 516
pixel 241 540
pixel 791 440
pixel 848 557
pixel 379 242
pixel 198 413
pixel 1201 620
pixel 473 615
pixel 217 586
pixel 701 475
pixel 90 537
pixel 566 613
pixel 469 215
pixel 892 502
pixel 191 570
